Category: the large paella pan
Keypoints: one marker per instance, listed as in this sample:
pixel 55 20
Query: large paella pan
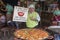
pixel 31 34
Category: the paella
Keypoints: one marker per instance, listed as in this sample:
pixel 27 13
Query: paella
pixel 31 34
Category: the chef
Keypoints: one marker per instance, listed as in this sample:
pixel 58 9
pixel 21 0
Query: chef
pixel 33 17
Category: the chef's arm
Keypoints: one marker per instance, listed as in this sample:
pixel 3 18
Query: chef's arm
pixel 38 18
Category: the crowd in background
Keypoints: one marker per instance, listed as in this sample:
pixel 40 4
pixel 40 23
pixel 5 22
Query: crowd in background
pixel 7 7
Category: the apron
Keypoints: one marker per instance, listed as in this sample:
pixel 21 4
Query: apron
pixel 30 23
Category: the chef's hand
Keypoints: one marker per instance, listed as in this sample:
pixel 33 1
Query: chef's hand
pixel 34 19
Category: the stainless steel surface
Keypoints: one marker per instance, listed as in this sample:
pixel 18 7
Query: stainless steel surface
pixel 54 28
